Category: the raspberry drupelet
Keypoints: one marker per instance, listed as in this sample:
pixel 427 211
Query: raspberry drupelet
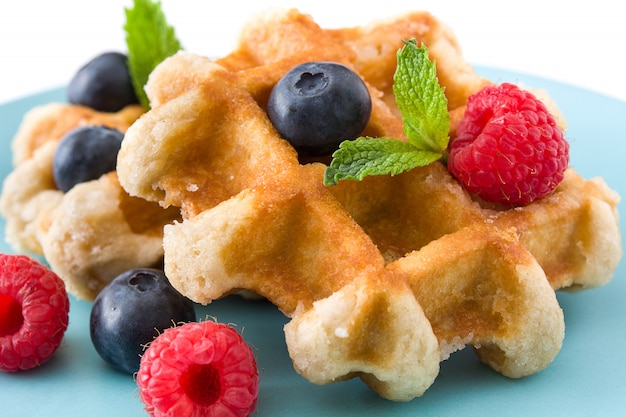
pixel 508 148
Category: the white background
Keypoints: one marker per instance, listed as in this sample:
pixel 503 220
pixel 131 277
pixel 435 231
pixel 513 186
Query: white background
pixel 42 42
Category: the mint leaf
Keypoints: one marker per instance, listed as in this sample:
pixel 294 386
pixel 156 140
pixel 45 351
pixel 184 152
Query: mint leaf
pixel 426 123
pixel 421 99
pixel 365 156
pixel 150 40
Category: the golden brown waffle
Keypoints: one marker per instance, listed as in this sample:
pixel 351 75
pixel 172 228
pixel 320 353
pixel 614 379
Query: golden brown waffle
pixel 94 231
pixel 383 278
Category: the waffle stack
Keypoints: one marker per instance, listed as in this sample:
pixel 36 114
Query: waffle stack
pixel 94 231
pixel 382 279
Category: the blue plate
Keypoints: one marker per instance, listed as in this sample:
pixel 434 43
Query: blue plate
pixel 588 377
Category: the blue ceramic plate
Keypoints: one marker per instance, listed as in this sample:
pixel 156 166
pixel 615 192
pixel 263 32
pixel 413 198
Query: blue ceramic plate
pixel 588 377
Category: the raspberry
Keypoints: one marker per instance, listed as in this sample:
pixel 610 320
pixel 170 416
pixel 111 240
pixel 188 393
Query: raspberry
pixel 508 148
pixel 34 309
pixel 198 369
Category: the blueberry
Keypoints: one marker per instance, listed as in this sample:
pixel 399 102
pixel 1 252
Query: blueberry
pixel 131 311
pixel 84 154
pixel 103 84
pixel 317 105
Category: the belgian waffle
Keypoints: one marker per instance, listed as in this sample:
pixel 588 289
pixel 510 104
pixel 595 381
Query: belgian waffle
pixel 383 278
pixel 94 231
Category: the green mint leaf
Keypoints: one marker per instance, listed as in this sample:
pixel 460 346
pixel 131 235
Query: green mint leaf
pixel 421 99
pixel 426 123
pixel 365 156
pixel 150 40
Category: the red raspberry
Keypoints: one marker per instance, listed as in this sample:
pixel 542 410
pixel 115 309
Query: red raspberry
pixel 34 309
pixel 198 369
pixel 508 147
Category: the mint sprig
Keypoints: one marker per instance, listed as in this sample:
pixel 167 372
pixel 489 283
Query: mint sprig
pixel 150 39
pixel 426 122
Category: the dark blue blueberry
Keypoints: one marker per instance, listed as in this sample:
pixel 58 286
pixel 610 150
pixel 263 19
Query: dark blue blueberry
pixel 317 105
pixel 103 84
pixel 84 154
pixel 131 311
